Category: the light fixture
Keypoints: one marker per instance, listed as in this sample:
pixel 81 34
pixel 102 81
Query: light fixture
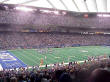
pixel 99 15
pixel 103 15
pixel 106 15
pixel 64 13
pixel 24 9
pixel 45 11
pixel 57 12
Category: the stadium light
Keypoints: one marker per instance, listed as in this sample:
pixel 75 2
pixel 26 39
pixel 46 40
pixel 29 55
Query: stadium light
pixel 106 15
pixel 99 15
pixel 57 12
pixel 45 11
pixel 103 15
pixel 49 11
pixel 64 13
pixel 24 9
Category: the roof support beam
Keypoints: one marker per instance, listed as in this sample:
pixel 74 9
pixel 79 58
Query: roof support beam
pixel 96 5
pixel 75 5
pixel 106 5
pixel 51 4
pixel 28 1
pixel 86 5
pixel 64 5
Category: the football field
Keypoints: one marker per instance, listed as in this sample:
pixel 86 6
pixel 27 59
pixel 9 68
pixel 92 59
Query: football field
pixel 32 57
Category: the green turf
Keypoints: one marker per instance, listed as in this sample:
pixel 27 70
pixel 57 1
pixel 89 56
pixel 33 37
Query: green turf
pixel 32 57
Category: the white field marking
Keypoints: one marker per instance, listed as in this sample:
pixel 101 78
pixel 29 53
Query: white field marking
pixel 64 63
pixel 57 57
pixel 84 51
pixel 25 57
pixel 32 55
pixel 18 58
pixel 22 57
pixel 29 57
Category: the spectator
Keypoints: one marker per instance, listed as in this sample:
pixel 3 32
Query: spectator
pixel 100 75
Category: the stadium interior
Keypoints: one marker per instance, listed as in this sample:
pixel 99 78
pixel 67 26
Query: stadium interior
pixel 41 42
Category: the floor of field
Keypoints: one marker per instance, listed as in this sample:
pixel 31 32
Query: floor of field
pixel 33 57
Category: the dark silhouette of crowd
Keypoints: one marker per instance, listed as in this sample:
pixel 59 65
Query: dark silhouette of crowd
pixel 13 40
pixel 89 71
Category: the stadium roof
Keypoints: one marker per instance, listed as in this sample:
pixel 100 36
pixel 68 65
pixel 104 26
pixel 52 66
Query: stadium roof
pixel 70 5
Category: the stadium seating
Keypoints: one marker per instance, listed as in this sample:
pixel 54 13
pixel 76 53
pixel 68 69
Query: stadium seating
pixel 13 40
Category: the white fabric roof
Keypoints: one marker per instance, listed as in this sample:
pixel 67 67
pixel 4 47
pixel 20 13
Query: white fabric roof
pixel 70 5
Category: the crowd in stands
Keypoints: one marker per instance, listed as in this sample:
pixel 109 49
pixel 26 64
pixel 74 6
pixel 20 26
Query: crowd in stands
pixel 44 20
pixel 92 70
pixel 89 71
pixel 10 40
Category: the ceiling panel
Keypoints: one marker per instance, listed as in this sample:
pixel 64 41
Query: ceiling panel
pixel 2 0
pixel 81 5
pixel 15 1
pixel 70 5
pixel 58 4
pixel 91 4
pixel 108 5
pixel 39 3
pixel 101 5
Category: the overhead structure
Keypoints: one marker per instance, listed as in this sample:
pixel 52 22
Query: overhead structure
pixel 70 5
